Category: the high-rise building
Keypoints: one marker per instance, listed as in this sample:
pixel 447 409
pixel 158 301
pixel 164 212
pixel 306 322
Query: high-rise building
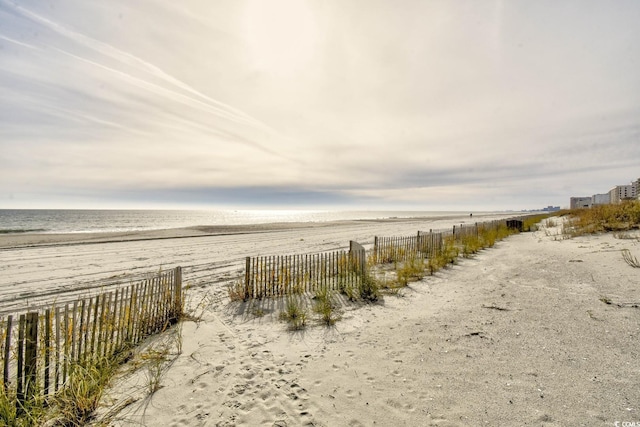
pixel 621 192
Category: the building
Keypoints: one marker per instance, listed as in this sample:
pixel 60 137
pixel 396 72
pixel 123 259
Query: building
pixel 580 202
pixel 616 195
pixel 600 199
pixel 622 192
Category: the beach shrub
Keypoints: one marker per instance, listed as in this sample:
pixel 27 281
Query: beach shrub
pixel 471 244
pixel 295 314
pixel 441 258
pixel 411 270
pixel 236 291
pixel 350 291
pixel 75 404
pixel 325 306
pixel 368 288
pixel 604 218
pixel 33 413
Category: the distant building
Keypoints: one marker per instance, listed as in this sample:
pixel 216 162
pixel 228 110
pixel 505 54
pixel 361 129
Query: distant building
pixel 622 192
pixel 616 195
pixel 600 199
pixel 580 202
pixel 551 208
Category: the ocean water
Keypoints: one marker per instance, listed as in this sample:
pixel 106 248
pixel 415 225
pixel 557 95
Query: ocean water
pixel 90 221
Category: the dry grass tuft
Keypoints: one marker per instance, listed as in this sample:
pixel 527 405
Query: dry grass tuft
pixel 325 307
pixel 295 314
pixel 630 259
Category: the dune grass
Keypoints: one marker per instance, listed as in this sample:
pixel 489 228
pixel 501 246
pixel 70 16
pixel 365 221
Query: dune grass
pixel 73 405
pixel 236 291
pixel 630 259
pixel 84 373
pixel 294 313
pixel 325 306
pixel 604 218
pixel 410 271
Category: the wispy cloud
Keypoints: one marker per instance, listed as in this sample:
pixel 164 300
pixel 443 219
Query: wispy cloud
pixel 223 110
pixel 472 103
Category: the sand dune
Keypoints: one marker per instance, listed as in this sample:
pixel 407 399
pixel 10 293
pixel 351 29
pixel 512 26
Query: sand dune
pixel 522 334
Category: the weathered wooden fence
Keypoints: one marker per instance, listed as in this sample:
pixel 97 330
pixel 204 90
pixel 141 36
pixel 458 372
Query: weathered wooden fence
pixel 52 341
pixel 390 249
pixel 428 244
pixel 274 276
pixel 398 249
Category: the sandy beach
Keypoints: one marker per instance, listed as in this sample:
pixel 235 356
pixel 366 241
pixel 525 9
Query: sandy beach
pixel 42 268
pixel 538 330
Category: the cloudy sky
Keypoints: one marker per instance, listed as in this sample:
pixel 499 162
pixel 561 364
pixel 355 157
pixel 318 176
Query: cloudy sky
pixel 361 104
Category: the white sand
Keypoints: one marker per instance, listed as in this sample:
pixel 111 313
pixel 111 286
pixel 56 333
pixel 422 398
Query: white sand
pixel 518 335
pixel 39 269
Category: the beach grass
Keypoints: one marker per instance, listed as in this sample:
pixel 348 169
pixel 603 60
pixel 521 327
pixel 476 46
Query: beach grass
pixel 617 218
pixel 411 270
pixel 325 306
pixel 294 313
pixel 630 259
pixel 73 405
pixel 236 291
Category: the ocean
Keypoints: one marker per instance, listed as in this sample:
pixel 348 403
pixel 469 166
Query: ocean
pixel 91 221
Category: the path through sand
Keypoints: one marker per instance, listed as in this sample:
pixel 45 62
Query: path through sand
pixel 536 331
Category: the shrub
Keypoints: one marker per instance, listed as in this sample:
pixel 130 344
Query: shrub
pixel 603 218
pixel 236 291
pixel 294 313
pixel 368 288
pixel 325 307
pixel 411 270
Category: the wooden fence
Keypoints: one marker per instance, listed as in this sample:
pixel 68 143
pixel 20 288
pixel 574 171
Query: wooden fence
pixel 390 249
pixel 52 341
pixel 428 244
pixel 274 276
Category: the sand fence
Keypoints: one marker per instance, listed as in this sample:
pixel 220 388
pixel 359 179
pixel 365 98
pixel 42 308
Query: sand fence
pixel 276 276
pixel 428 244
pixel 40 349
pixel 282 275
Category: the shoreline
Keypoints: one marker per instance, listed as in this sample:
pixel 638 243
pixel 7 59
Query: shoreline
pixel 36 239
pixel 41 268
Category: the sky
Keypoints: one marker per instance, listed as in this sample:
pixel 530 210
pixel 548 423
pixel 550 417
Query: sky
pixel 329 104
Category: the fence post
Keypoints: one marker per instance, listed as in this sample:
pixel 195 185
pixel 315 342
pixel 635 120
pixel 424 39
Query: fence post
pixel 7 353
pixel 375 249
pixel 357 250
pixel 47 349
pixel 247 277
pixel 177 277
pixel 31 354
